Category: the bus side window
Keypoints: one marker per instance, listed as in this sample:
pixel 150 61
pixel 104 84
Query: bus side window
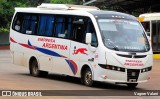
pixel 46 24
pixel 68 27
pixel 78 30
pixel 29 24
pixel 63 27
pixel 60 27
pixel 17 24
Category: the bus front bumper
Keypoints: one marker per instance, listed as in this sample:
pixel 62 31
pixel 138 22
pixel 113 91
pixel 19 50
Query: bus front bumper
pixel 130 76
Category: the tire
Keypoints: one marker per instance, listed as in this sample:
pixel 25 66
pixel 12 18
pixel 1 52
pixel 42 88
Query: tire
pixel 132 85
pixel 34 70
pixel 87 77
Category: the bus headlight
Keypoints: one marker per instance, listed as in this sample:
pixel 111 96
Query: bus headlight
pixel 146 69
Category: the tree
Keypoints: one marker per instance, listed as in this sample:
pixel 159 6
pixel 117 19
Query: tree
pixel 62 1
pixel 7 8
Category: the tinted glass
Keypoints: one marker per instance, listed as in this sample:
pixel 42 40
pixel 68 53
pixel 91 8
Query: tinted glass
pixel 123 35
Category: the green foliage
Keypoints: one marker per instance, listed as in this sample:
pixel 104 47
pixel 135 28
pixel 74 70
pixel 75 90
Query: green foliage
pixel 7 9
pixel 62 1
pixel 4 30
pixel 104 7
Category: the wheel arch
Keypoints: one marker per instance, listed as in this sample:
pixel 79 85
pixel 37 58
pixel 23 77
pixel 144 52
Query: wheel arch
pixel 84 67
pixel 32 58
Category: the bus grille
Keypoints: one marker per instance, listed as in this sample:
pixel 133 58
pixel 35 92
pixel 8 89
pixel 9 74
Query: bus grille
pixel 130 56
pixel 132 75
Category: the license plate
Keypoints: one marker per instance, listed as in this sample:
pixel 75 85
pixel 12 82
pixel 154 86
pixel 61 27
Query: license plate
pixel 133 74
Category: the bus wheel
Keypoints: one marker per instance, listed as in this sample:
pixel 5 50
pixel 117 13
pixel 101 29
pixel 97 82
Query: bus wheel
pixel 132 85
pixel 87 77
pixel 34 70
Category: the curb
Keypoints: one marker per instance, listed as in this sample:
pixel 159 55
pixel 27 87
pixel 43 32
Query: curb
pixel 4 47
pixel 156 56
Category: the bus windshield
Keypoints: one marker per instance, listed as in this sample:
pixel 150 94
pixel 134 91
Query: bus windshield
pixel 123 35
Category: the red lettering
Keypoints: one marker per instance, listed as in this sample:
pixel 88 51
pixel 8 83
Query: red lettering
pixel 55 46
pixel 46 40
pixel 44 45
pixel 66 48
pixel 133 63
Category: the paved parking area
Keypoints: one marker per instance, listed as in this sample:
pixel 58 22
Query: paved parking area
pixel 13 77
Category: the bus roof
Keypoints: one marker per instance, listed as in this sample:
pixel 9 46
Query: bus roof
pixel 72 9
pixel 150 16
pixel 112 14
pixel 50 8
pixel 66 7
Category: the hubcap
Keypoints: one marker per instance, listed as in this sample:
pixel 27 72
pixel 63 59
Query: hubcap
pixel 88 77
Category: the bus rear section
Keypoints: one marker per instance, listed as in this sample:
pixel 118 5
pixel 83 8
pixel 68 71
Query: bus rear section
pixel 101 46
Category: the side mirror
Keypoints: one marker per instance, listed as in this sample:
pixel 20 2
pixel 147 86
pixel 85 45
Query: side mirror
pixel 148 37
pixel 88 38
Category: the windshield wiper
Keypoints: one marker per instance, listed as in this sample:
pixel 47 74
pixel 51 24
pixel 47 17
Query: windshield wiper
pixel 112 44
pixel 115 47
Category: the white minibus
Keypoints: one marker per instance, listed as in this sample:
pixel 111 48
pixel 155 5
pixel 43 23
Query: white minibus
pixel 151 24
pixel 81 41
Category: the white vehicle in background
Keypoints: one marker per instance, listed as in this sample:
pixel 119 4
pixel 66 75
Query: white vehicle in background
pixel 151 24
pixel 81 41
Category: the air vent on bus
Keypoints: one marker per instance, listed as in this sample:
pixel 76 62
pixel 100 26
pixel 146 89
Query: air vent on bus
pixel 131 56
pixel 48 6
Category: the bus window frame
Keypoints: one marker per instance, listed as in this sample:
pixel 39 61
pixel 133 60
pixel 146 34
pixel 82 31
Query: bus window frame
pixel 38 15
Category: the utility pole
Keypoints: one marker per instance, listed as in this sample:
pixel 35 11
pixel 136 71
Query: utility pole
pixel 88 2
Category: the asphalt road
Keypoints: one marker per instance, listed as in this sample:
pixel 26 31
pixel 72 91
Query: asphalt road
pixel 13 77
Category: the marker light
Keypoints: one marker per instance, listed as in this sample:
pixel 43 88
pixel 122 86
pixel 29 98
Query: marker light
pixel 119 69
pixel 107 67
pixel 144 70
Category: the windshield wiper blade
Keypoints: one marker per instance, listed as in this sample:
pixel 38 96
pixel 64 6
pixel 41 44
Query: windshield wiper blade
pixel 115 47
pixel 112 44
